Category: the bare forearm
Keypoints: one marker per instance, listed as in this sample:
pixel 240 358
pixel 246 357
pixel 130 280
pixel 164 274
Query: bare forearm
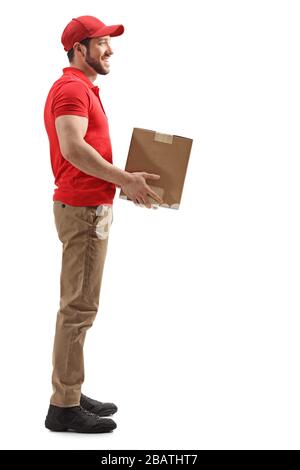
pixel 84 157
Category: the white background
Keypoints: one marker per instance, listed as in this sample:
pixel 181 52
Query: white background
pixel 197 336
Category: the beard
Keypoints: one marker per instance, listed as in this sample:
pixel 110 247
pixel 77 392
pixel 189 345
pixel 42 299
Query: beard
pixel 97 66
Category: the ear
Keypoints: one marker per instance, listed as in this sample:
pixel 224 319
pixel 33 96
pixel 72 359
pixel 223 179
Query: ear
pixel 79 47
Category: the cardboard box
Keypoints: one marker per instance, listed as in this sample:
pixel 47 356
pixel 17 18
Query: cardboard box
pixel 163 154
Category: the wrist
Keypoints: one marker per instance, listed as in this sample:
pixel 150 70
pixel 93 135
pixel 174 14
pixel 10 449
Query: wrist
pixel 125 178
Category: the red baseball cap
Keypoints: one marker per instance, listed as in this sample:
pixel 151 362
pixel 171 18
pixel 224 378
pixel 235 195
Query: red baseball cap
pixel 87 27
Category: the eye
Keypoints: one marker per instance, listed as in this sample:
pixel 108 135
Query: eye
pixel 102 43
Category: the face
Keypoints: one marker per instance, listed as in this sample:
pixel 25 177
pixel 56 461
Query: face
pixel 98 54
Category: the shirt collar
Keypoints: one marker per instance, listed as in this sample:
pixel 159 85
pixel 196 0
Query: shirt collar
pixel 79 73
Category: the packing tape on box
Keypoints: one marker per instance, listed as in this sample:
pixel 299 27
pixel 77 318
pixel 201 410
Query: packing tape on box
pixel 165 138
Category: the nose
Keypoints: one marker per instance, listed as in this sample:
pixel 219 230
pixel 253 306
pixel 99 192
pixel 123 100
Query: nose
pixel 110 51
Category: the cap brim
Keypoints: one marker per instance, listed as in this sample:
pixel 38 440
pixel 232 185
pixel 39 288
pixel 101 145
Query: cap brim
pixel 114 30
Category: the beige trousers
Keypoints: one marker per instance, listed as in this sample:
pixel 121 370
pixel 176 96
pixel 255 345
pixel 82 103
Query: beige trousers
pixel 83 232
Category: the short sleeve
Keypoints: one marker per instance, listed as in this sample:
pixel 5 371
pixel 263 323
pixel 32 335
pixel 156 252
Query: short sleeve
pixel 71 98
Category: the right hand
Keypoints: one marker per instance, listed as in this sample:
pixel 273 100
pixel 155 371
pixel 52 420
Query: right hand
pixel 137 189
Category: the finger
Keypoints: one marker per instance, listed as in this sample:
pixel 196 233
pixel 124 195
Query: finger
pixel 140 201
pixel 155 196
pixel 146 202
pixel 151 176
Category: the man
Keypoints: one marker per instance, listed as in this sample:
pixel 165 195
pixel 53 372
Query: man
pixel 86 180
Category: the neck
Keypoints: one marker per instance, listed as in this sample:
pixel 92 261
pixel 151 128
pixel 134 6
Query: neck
pixel 88 71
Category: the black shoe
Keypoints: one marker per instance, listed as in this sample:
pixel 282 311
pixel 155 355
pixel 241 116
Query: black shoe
pixel 76 419
pixel 97 407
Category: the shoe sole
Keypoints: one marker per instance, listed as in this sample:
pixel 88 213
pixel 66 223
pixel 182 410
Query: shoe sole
pixel 64 429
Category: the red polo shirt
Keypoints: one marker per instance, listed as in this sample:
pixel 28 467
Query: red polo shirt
pixel 74 93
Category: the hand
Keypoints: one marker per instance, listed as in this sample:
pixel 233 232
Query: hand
pixel 137 189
